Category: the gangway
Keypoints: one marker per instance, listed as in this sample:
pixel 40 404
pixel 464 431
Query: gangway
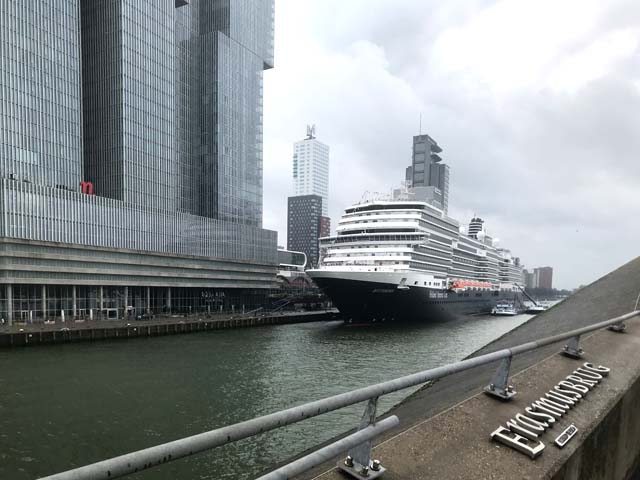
pixel 527 295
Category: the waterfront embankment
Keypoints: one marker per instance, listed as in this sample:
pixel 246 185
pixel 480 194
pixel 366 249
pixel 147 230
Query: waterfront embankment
pixel 29 334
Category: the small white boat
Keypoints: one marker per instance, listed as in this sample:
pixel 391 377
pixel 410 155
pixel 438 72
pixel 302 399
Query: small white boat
pixel 504 310
pixel 534 309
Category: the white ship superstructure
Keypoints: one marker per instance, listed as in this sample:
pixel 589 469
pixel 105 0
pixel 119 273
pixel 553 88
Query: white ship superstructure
pixel 403 245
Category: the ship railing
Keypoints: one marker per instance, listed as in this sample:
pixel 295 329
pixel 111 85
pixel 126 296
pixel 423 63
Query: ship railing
pixel 358 462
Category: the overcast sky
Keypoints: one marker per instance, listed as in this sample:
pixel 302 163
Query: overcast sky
pixel 536 104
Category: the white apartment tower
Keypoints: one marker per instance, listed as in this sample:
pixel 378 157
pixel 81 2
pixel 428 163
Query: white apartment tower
pixel 311 168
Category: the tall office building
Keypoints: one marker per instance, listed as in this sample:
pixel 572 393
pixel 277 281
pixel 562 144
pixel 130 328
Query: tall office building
pixel 305 225
pixel 427 174
pixel 311 168
pixel 131 155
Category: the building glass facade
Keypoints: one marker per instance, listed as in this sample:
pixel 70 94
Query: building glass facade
pixel 40 103
pixel 304 225
pixel 128 70
pixel 158 105
pixel 426 170
pixel 222 48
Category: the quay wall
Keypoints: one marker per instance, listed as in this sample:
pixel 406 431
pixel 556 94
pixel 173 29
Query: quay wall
pixel 107 330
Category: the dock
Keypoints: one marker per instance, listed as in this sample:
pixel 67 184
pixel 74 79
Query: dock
pixel 27 334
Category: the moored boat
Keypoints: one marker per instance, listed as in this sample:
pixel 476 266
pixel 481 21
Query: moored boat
pixel 504 310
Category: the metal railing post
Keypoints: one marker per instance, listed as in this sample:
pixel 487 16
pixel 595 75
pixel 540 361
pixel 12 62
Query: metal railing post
pixel 358 463
pixel 330 451
pixel 572 348
pixel 499 386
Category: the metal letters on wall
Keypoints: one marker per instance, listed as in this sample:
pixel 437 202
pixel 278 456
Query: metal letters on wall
pixel 523 432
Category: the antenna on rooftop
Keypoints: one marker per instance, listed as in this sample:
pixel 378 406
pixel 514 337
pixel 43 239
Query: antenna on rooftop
pixel 420 127
pixel 311 132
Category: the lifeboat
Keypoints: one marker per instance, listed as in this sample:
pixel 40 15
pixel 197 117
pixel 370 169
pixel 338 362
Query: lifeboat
pixel 464 284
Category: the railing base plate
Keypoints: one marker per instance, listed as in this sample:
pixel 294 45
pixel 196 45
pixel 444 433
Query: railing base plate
pixel 502 395
pixel 573 354
pixel 356 470
pixel 620 328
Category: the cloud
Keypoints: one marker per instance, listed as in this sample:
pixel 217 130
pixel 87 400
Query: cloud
pixel 536 104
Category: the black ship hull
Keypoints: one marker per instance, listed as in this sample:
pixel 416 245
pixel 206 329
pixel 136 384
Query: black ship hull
pixel 367 302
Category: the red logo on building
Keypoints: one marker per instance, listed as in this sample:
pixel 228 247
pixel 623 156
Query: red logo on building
pixel 86 188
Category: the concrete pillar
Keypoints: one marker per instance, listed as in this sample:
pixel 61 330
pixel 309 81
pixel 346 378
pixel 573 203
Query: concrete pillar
pixel 74 301
pixel 148 299
pixel 169 299
pixel 44 302
pixel 101 300
pixel 9 295
pixel 126 300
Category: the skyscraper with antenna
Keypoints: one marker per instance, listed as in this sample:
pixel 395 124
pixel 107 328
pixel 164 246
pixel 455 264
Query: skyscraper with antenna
pixel 311 168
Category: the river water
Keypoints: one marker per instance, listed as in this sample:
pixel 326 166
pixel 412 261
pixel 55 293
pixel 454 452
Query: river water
pixel 68 405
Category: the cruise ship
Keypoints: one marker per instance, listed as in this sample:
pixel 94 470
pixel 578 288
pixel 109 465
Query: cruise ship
pixel 399 259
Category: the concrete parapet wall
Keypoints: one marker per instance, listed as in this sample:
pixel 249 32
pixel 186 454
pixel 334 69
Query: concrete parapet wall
pixel 612 450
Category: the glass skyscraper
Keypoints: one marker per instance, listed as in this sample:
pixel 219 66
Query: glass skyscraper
pixel 40 81
pixel 426 174
pixel 131 154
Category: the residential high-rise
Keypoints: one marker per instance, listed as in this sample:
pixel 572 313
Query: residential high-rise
pixel 131 154
pixel 426 170
pixel 311 168
pixel 541 277
pixel 305 223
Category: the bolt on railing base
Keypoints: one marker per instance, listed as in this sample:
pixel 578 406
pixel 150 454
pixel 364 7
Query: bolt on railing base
pixel 503 394
pixel 618 327
pixel 355 470
pixel 572 348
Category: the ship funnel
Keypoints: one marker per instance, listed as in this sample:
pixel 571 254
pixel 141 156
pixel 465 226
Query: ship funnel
pixel 475 227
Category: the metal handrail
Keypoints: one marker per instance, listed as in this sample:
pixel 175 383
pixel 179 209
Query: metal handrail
pixel 167 452
pixel 327 453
